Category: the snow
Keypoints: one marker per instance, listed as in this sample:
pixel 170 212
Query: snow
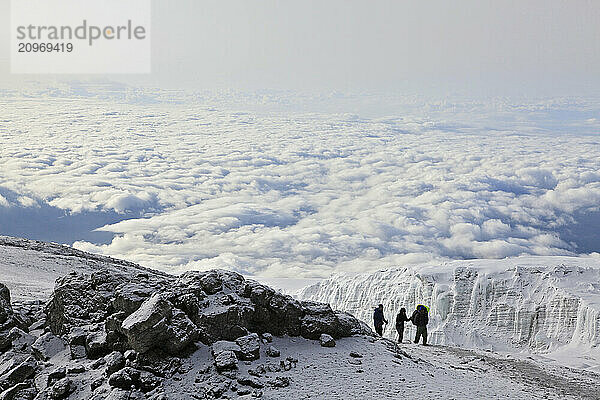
pixel 385 370
pixel 432 372
pixel 540 305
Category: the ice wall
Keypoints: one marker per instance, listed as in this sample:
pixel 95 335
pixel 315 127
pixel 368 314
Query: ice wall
pixel 537 304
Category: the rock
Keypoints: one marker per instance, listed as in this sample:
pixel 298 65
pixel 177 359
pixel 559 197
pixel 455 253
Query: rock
pixel 249 347
pixel 130 296
pixel 148 381
pixel 250 381
pixel 5 341
pixel 19 373
pixel 76 369
pixel 96 383
pixel 326 340
pixel 47 346
pixel 319 318
pixel 20 339
pixel 80 299
pixel 77 336
pixel 272 351
pixel 97 363
pixel 258 371
pixel 114 362
pixel 285 365
pixel 243 391
pixel 6 311
pixel 130 355
pixel 224 345
pixel 77 352
pixel 56 374
pixel 124 378
pixel 226 360
pixel 61 389
pixel 38 325
pixel 95 344
pixel 147 327
pixel 118 394
pixel 267 337
pixel 279 382
pixel 181 332
pixel 20 391
pixel 354 354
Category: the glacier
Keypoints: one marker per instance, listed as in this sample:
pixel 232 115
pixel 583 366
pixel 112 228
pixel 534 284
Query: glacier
pixel 530 304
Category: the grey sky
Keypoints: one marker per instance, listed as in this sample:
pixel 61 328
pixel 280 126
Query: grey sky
pixel 541 46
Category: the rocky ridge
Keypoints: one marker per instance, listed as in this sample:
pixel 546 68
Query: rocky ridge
pixel 125 334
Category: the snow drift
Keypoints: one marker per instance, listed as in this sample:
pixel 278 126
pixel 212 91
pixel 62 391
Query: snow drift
pixel 536 304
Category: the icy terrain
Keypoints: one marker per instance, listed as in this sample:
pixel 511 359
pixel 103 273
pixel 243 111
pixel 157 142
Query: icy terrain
pixel 72 350
pixel 542 305
pixel 182 181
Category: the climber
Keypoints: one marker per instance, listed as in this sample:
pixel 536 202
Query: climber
pixel 420 318
pixel 379 320
pixel 401 318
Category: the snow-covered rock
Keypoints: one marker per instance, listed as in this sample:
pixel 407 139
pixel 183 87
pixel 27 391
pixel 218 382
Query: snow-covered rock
pixel 326 341
pixel 530 303
pixel 249 347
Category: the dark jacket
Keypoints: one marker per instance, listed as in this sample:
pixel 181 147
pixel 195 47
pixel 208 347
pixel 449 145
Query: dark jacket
pixel 378 317
pixel 420 317
pixel 401 318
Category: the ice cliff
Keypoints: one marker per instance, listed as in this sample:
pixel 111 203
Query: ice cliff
pixel 537 304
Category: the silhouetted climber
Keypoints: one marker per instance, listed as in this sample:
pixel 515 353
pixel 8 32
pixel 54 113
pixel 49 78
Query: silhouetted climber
pixel 401 318
pixel 420 318
pixel 379 320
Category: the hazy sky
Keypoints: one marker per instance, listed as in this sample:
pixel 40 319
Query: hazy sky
pixel 537 46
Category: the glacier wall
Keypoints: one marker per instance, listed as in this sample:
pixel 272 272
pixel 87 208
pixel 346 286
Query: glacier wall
pixel 537 304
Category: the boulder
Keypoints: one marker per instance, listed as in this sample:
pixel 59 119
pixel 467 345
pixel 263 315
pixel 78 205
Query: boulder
pixel 96 345
pixel 6 311
pixel 81 299
pixel 130 355
pixel 47 346
pixel 267 337
pixel 56 374
pixel 77 336
pixel 76 369
pixel 61 389
pixel 273 351
pixel 19 373
pixel 181 332
pixel 226 360
pixel 224 345
pixel 148 381
pixel 77 352
pixel 18 392
pixel 279 382
pixel 326 340
pixel 20 340
pixel 114 362
pixel 124 378
pixel 251 381
pixel 5 341
pixel 147 326
pixel 249 347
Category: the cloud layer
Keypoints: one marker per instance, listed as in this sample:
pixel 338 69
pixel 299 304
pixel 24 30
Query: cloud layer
pixel 303 195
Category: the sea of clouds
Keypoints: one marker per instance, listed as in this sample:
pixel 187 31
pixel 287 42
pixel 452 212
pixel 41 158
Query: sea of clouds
pixel 193 181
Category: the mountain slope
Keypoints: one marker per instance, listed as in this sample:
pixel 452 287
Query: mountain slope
pixel 114 330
